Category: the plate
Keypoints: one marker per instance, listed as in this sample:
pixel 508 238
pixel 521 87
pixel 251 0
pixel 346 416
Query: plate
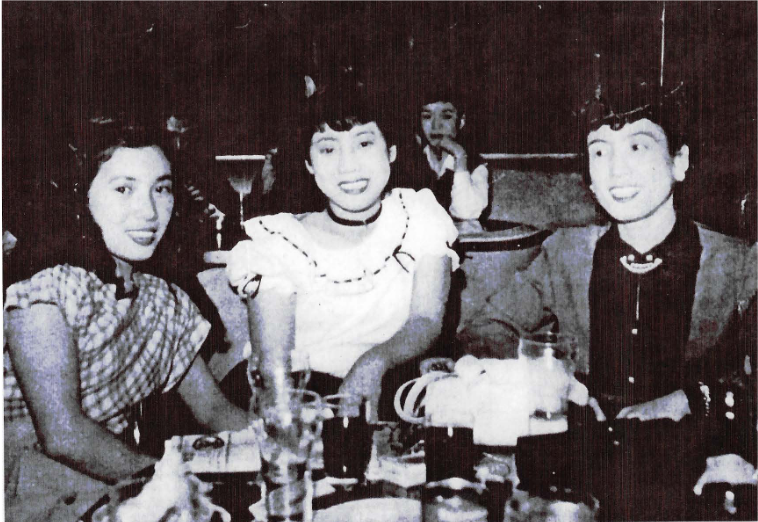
pixel 373 510
pixel 232 491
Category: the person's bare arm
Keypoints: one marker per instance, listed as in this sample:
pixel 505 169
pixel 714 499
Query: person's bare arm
pixel 431 285
pixel 47 369
pixel 205 399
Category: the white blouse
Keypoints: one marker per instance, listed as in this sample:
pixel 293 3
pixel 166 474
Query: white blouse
pixel 348 300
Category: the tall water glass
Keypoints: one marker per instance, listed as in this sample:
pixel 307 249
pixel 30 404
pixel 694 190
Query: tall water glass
pixel 286 450
pixel 299 377
pixel 543 459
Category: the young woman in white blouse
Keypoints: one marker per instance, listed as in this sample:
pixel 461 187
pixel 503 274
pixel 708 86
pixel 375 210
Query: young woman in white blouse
pixel 359 286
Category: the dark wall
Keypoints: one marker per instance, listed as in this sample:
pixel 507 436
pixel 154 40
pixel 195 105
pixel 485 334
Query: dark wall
pixel 235 69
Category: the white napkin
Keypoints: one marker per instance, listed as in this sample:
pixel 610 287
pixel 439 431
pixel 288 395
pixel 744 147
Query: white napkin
pixel 395 470
pixel 239 453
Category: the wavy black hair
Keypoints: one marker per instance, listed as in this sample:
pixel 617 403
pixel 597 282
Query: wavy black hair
pixel 66 232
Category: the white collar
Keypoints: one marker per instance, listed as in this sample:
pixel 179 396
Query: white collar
pixel 448 163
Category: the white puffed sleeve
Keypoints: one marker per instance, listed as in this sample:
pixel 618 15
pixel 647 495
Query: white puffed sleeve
pixel 269 260
pixel 431 230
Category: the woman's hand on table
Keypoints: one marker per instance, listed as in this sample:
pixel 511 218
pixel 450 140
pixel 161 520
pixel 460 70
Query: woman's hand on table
pixel 731 469
pixel 599 415
pixel 365 380
pixel 673 406
pixel 200 391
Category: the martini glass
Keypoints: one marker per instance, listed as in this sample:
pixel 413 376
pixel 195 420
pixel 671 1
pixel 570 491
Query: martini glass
pixel 242 183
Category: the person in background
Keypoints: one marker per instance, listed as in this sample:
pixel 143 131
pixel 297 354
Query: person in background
pixel 664 312
pixel 91 331
pixel 357 285
pixel 439 159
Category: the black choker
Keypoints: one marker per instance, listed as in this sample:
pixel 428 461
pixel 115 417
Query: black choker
pixel 351 222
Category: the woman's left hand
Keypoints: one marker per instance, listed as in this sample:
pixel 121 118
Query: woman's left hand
pixel 365 380
pixel 731 469
pixel 673 406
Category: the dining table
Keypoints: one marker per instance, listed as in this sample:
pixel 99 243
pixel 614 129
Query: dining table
pixel 391 492
pixel 491 252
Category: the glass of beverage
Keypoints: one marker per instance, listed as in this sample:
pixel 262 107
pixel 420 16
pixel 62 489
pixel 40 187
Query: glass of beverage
pixel 551 365
pixel 347 437
pixel 300 376
pixel 242 183
pixel 543 458
pixel 286 448
pixel 449 450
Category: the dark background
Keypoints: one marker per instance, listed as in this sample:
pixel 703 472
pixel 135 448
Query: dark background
pixel 236 71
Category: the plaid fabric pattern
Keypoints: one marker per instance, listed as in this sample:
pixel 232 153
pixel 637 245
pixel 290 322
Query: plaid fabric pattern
pixel 125 353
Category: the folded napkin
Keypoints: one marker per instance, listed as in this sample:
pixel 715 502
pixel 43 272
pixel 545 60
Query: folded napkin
pixel 403 471
pixel 226 452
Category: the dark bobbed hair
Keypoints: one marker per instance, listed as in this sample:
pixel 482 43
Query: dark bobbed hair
pixel 343 108
pixel 67 232
pixel 412 169
pixel 436 91
pixel 620 103
pixel 342 104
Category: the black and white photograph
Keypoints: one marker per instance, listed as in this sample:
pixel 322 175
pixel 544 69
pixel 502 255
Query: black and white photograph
pixel 386 261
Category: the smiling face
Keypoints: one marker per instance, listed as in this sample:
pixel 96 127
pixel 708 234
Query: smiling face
pixel 631 169
pixel 439 120
pixel 351 167
pixel 131 200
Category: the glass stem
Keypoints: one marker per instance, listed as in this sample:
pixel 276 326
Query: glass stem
pixel 242 211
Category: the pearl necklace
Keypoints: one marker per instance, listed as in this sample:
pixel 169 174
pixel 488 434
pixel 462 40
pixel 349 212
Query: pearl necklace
pixel 640 268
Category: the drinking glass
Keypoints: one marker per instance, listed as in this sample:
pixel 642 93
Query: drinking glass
pixel 300 377
pixel 286 450
pixel 449 449
pixel 242 183
pixel 543 458
pixel 347 437
pixel 551 358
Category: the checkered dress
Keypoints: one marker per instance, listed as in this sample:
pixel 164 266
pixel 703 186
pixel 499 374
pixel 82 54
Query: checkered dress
pixel 126 351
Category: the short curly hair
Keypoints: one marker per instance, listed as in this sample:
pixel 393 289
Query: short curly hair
pixel 342 107
pixel 341 103
pixel 618 104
